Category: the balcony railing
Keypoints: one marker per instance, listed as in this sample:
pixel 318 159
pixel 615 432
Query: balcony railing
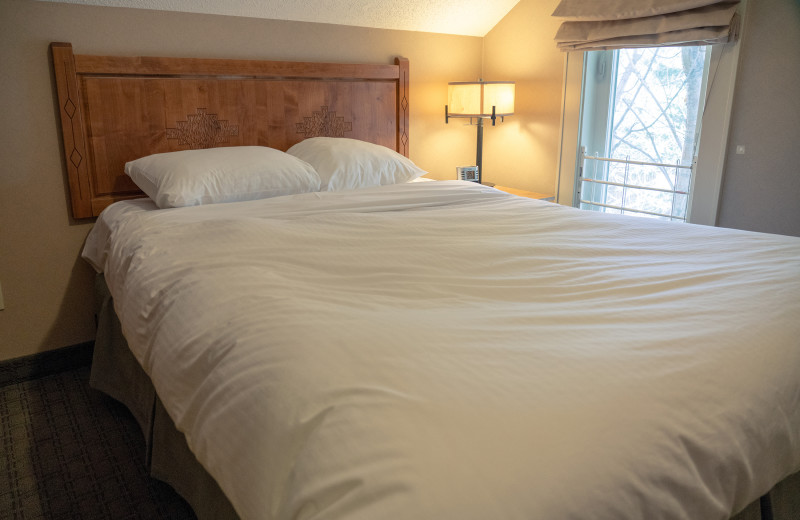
pixel 625 185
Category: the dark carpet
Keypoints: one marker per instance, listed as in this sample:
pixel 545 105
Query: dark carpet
pixel 70 452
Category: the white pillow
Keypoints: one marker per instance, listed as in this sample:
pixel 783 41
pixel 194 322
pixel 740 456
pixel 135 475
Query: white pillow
pixel 346 164
pixel 230 174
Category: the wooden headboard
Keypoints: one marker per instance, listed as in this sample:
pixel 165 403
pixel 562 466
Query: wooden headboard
pixel 115 109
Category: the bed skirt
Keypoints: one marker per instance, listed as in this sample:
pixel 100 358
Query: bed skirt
pixel 116 373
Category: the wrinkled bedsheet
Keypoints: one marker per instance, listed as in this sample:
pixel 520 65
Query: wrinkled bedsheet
pixel 446 350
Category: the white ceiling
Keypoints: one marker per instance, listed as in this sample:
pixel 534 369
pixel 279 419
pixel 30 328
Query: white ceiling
pixel 464 17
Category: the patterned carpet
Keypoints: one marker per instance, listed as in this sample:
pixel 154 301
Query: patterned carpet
pixel 69 452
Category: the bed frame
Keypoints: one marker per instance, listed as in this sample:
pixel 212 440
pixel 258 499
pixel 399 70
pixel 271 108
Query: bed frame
pixel 116 109
pixel 116 373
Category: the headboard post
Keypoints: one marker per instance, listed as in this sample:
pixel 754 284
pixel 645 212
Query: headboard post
pixel 402 104
pixel 73 129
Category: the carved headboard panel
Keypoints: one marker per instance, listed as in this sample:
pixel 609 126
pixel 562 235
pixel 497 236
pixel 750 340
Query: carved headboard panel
pixel 116 109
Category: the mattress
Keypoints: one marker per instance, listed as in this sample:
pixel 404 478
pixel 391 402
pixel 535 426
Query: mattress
pixel 447 350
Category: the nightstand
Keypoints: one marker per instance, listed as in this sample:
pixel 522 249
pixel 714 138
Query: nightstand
pixel 524 193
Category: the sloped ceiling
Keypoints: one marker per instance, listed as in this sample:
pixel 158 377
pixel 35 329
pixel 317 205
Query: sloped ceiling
pixel 464 17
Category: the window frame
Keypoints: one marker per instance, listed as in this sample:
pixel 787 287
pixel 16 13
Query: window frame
pixel 714 125
pixel 601 69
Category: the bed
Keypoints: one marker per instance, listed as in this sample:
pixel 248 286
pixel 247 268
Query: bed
pixel 396 348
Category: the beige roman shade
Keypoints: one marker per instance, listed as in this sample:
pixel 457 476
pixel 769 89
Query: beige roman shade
pixel 617 24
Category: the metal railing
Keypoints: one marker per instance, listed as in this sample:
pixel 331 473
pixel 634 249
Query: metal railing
pixel 625 185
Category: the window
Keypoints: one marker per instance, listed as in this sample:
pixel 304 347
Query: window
pixel 581 75
pixel 639 130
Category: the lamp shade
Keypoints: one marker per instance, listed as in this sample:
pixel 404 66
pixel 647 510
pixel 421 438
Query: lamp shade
pixel 476 98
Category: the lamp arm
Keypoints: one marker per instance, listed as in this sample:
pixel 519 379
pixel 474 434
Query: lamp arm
pixel 446 115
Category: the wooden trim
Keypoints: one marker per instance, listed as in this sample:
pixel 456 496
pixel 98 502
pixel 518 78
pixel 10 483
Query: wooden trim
pixel 178 67
pixel 524 193
pixel 402 104
pixel 72 129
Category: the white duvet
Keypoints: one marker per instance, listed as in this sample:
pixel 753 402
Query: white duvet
pixel 444 350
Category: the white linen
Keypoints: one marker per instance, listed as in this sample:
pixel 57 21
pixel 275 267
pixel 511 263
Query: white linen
pixel 227 174
pixel 446 350
pixel 349 164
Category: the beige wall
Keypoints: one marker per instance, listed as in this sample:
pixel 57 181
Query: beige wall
pixel 761 189
pixel 523 151
pixel 47 287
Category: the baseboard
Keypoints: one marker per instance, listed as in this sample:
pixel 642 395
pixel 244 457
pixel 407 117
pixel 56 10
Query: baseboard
pixel 45 363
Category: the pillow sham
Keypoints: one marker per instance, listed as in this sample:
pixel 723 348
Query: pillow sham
pixel 347 164
pixel 212 175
